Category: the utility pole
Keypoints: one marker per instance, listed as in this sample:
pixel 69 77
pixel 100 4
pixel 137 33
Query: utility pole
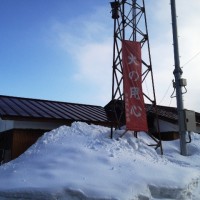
pixel 179 83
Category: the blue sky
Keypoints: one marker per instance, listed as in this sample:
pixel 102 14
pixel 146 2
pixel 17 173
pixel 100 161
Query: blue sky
pixel 62 50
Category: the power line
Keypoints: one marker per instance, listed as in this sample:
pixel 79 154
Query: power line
pixel 170 101
pixel 165 93
pixel 191 59
pixel 164 96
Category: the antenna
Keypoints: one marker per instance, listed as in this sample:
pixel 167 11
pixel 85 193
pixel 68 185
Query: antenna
pixel 130 28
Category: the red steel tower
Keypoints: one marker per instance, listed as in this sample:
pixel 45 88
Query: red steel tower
pixel 131 49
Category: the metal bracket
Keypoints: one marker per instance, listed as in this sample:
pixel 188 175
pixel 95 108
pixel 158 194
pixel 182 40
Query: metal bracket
pixel 182 83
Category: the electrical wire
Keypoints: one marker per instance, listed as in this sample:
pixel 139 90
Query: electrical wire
pixel 170 102
pixel 198 53
pixel 191 59
pixel 165 93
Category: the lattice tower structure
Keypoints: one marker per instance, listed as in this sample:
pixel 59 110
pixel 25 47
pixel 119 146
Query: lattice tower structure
pixel 130 23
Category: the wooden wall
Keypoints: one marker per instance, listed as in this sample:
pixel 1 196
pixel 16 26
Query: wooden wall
pixel 22 139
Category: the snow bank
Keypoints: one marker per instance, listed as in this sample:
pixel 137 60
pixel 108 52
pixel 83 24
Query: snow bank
pixel 82 162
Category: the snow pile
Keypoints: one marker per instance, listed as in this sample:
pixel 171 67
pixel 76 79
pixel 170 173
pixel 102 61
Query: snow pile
pixel 82 162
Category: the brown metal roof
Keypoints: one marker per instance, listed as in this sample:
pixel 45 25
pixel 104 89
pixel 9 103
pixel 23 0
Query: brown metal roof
pixel 35 109
pixel 164 112
pixel 17 108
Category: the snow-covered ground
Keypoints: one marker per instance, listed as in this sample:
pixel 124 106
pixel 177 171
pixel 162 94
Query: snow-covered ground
pixel 82 162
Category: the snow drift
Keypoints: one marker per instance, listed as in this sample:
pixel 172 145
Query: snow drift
pixel 82 162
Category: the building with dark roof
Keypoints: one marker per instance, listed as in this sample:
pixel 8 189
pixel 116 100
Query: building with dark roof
pixel 24 120
pixel 167 118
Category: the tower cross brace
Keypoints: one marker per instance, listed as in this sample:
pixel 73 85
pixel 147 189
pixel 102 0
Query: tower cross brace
pixel 130 23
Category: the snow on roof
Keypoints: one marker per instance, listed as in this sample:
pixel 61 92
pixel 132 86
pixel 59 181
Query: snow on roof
pixel 82 162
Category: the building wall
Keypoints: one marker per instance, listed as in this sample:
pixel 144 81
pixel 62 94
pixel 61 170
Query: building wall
pixel 6 125
pixel 5 145
pixel 168 131
pixel 13 124
pixel 198 129
pixel 167 126
pixel 17 136
pixel 37 125
pixel 22 139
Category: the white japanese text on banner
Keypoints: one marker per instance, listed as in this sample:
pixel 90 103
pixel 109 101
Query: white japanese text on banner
pixel 132 76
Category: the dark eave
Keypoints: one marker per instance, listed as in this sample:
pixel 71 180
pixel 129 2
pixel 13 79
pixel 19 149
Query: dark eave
pixel 165 113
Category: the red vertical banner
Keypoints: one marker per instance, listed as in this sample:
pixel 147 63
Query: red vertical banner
pixel 136 119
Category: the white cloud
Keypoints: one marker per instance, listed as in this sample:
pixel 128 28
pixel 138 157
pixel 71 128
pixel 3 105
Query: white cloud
pixel 88 39
pixel 189 41
pixel 162 49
